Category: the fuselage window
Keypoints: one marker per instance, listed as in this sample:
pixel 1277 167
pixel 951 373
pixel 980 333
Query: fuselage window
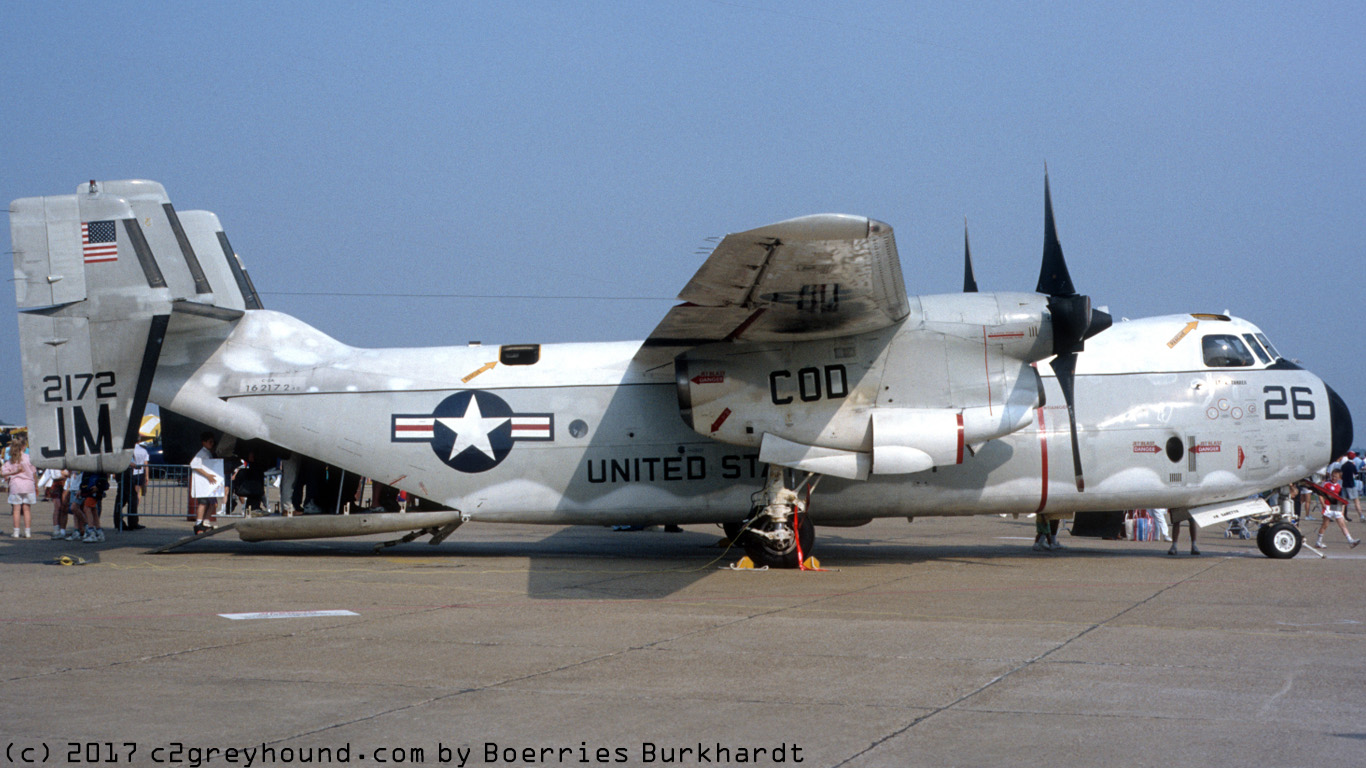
pixel 1225 352
pixel 519 354
pixel 1256 347
pixel 1267 343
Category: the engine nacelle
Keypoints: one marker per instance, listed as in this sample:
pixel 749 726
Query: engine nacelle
pixel 907 440
pixel 812 399
pixel 895 401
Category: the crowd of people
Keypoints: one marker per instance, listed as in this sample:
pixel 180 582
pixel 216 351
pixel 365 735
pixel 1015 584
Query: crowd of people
pixel 77 498
pixel 1343 480
pixel 1330 497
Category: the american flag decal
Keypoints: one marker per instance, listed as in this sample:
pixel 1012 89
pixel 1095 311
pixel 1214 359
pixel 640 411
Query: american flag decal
pixel 99 241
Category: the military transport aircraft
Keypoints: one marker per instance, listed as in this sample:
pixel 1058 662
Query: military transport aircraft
pixel 795 360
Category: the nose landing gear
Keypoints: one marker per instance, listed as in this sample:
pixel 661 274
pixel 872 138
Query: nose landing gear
pixel 1280 540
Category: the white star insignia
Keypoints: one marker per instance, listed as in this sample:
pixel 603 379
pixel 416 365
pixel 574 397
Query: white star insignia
pixel 472 430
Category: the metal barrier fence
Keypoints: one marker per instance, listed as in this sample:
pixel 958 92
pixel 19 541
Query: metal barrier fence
pixel 168 494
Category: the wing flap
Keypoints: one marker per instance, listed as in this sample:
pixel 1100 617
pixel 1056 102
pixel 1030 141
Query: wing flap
pixel 806 278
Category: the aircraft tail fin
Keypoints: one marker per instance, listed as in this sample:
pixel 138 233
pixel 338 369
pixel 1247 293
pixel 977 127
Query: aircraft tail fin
pixel 98 276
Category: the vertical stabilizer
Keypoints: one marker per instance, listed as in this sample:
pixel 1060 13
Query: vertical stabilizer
pixel 98 275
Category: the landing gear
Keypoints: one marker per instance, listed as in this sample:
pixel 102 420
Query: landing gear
pixel 770 539
pixel 1279 540
pixel 771 543
pixel 732 530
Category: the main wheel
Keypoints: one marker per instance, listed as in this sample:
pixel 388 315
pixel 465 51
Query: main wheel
pixel 1280 541
pixel 1264 538
pixel 765 552
pixel 732 529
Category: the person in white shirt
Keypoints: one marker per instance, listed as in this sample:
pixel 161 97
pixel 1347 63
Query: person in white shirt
pixel 210 488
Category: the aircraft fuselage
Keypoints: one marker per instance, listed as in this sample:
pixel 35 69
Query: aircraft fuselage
pixel 592 433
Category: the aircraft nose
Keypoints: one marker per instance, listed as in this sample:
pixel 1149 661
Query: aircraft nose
pixel 1340 420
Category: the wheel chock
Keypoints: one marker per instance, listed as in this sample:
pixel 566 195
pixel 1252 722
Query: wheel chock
pixel 68 560
pixel 744 564
pixel 811 564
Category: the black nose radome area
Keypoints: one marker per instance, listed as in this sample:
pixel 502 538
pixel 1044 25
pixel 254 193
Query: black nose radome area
pixel 1340 419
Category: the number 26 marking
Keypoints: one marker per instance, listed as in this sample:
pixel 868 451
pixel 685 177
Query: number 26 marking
pixel 1301 408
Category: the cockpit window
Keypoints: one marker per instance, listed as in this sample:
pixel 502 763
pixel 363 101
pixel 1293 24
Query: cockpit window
pixel 1256 347
pixel 1225 352
pixel 1267 343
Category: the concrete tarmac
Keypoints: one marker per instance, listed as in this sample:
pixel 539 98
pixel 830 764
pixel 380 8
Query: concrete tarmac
pixel 933 643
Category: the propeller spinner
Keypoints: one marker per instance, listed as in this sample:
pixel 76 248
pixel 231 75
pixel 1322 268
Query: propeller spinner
pixel 1074 321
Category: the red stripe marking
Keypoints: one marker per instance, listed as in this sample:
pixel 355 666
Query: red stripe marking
pixel 1043 462
pixel 1006 336
pixel 412 427
pixel 715 425
pixel 960 439
pixel 742 327
pixel 986 367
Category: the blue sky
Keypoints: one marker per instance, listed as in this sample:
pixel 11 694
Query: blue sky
pixel 1202 157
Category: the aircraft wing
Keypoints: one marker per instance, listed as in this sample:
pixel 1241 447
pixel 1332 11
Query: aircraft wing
pixel 806 278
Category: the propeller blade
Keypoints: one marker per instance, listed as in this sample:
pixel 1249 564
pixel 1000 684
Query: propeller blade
pixel 1073 320
pixel 1065 368
pixel 969 280
pixel 1053 277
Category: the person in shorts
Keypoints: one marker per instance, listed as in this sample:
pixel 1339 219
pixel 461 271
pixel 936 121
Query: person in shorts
pixel 1332 510
pixel 23 487
pixel 205 506
pixel 1179 516
pixel 91 491
pixel 56 492
pixel 1350 489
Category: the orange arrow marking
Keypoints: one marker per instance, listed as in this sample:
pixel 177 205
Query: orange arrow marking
pixel 1178 337
pixel 486 367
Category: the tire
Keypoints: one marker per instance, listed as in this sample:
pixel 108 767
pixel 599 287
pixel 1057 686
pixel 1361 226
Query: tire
pixel 1264 539
pixel 764 553
pixel 732 529
pixel 1280 541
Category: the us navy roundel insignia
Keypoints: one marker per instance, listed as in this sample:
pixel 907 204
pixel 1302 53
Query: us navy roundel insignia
pixel 473 430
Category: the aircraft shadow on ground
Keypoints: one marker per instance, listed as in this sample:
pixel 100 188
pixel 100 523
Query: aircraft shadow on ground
pixel 597 563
